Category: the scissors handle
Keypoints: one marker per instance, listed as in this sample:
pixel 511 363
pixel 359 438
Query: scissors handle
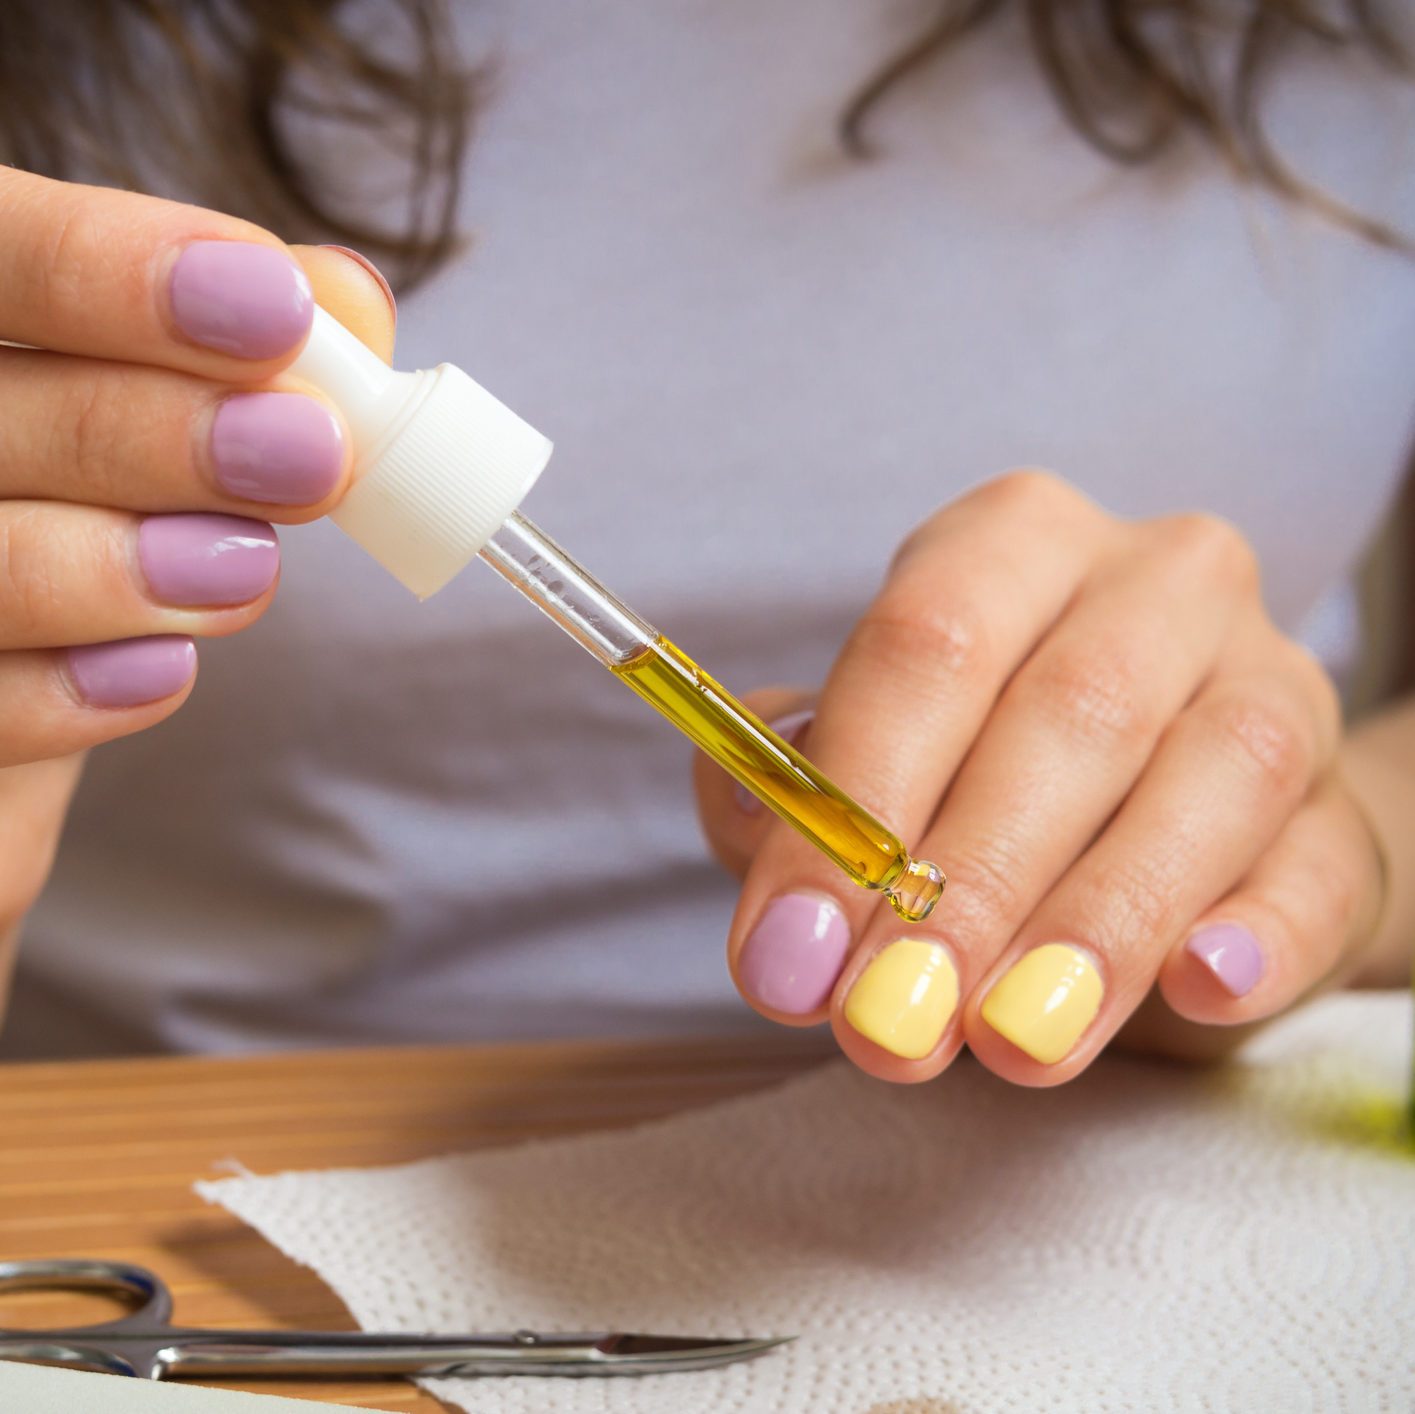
pixel 150 1303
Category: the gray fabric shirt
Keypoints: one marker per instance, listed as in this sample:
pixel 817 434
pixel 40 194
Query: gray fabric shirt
pixel 762 363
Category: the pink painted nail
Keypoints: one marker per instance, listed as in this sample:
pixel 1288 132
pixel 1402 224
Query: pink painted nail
pixel 199 560
pixel 281 448
pixel 1231 953
pixel 132 671
pixel 792 957
pixel 790 728
pixel 240 298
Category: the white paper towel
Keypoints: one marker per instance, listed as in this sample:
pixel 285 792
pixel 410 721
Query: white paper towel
pixel 1145 1238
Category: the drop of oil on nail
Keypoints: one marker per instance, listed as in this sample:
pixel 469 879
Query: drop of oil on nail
pixel 917 890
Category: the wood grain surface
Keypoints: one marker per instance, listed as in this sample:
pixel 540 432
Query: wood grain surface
pixel 97 1158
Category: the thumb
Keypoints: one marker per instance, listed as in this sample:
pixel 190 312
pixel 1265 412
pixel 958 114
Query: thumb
pixel 351 288
pixel 733 819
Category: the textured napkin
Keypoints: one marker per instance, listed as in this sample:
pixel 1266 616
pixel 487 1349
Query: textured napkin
pixel 1145 1238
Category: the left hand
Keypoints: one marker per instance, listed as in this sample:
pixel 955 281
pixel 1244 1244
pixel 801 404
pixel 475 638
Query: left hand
pixel 1122 766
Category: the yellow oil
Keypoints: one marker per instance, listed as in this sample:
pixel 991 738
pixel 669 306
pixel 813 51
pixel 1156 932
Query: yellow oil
pixel 744 746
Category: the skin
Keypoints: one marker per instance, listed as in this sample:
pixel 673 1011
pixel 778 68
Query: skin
pixel 111 420
pixel 1092 726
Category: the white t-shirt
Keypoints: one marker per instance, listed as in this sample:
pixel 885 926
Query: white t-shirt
pixel 762 363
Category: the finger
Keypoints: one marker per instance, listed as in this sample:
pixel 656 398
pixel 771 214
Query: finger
pixel 1288 927
pixel 62 702
pixel 965 602
pixel 114 434
pixel 114 275
pixel 33 799
pixel 1227 775
pixel 79 574
pixel 1154 1028
pixel 1069 737
pixel 733 819
pixel 352 288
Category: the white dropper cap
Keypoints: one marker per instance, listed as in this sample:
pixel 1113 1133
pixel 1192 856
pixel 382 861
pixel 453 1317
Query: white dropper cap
pixel 438 462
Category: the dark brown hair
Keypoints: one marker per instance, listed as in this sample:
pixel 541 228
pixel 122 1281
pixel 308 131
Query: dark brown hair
pixel 1137 77
pixel 315 125
pixel 287 112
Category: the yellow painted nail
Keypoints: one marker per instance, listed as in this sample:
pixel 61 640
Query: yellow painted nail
pixel 1045 1000
pixel 904 998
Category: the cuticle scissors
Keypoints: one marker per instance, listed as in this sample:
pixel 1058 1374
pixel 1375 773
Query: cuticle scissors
pixel 144 1342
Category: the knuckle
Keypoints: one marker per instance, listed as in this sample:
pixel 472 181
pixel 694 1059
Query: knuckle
pixel 1025 494
pixel 1211 545
pixel 1095 697
pixel 987 892
pixel 1129 904
pixel 900 631
pixel 1266 739
pixel 1031 489
pixel 88 436
pixel 67 254
pixel 81 251
pixel 28 591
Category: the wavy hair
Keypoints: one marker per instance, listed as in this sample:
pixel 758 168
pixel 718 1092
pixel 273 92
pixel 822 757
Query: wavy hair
pixel 144 93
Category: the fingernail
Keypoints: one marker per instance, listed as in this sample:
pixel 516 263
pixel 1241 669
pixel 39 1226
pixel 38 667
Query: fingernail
pixel 790 728
pixel 133 670
pixel 1045 1001
pixel 905 998
pixel 794 954
pixel 283 448
pixel 1231 953
pixel 360 259
pixel 238 298
pixel 199 560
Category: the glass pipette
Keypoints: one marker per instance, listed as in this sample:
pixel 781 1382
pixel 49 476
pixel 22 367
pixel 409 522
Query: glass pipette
pixel 668 680
pixel 440 468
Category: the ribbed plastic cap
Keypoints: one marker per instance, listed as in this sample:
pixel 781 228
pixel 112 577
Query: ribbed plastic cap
pixel 438 487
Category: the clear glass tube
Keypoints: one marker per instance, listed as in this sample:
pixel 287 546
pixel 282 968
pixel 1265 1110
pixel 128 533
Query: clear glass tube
pixel 524 555
pixel 739 741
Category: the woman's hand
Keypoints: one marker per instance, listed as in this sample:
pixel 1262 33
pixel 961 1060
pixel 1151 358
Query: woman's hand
pixel 147 439
pixel 1124 769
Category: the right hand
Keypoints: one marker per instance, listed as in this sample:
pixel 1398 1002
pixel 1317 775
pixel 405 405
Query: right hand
pixel 147 439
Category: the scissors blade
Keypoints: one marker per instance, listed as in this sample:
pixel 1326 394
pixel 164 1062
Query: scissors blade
pixel 624 1353
pixel 617 1353
pixel 645 1354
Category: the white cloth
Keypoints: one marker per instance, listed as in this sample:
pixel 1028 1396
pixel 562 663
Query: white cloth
pixel 1146 1238
pixel 762 364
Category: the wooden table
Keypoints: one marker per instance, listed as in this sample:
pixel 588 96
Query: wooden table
pixel 97 1158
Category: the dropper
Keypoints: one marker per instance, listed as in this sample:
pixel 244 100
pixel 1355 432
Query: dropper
pixel 440 467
